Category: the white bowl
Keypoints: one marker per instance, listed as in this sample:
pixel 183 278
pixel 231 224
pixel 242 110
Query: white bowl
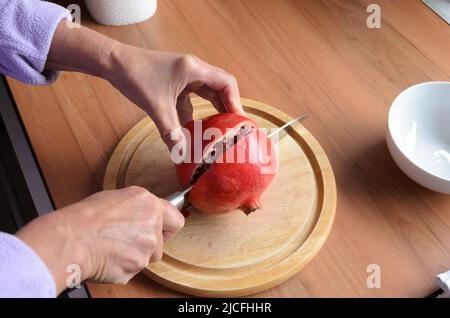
pixel 418 134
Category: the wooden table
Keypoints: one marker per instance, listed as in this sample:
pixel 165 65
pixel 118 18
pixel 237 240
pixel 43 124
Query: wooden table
pixel 300 56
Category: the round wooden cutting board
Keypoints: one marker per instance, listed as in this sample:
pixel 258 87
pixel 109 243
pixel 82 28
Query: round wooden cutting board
pixel 234 254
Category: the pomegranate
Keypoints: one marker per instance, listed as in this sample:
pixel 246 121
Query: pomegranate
pixel 226 181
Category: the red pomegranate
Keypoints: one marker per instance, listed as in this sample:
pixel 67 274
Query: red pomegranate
pixel 233 180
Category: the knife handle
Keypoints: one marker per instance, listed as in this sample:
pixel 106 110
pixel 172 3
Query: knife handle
pixel 177 199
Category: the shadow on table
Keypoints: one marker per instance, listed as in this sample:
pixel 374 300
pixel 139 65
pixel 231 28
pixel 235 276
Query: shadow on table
pixel 373 172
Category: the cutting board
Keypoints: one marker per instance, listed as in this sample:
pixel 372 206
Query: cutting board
pixel 234 254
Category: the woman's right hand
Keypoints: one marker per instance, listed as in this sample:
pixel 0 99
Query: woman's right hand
pixel 111 235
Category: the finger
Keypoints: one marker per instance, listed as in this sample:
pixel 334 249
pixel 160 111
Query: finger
pixel 173 220
pixel 213 97
pixel 223 83
pixel 184 109
pixel 231 98
pixel 168 124
pixel 158 251
pixel 157 234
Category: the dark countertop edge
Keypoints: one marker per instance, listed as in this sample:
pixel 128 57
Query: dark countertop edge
pixel 27 162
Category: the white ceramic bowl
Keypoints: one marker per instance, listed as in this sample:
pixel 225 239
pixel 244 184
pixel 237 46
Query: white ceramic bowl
pixel 418 134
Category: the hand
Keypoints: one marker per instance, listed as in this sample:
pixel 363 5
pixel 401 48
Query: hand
pixel 111 235
pixel 160 82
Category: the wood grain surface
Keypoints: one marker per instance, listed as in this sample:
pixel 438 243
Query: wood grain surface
pixel 233 254
pixel 315 56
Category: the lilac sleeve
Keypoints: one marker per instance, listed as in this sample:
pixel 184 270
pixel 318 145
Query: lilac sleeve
pixel 26 31
pixel 22 272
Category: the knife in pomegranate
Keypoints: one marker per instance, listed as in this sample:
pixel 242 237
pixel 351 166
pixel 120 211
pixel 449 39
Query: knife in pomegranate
pixel 178 198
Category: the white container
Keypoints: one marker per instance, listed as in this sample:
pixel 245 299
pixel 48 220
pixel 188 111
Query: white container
pixel 418 134
pixel 121 12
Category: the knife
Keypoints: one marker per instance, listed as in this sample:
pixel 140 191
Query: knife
pixel 178 198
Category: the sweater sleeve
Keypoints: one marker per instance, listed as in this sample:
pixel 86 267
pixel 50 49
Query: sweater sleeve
pixel 22 272
pixel 26 32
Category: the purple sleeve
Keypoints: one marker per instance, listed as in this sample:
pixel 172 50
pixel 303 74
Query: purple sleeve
pixel 26 31
pixel 22 272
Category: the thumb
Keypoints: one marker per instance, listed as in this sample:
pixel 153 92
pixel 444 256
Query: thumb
pixel 173 220
pixel 169 127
